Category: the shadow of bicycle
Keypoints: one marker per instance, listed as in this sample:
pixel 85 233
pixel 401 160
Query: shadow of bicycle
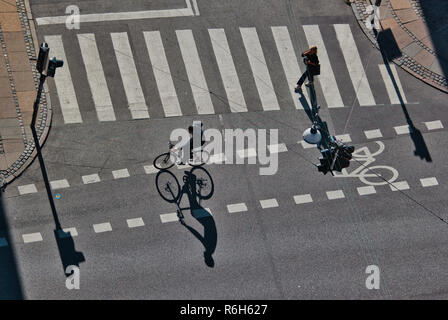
pixel 197 186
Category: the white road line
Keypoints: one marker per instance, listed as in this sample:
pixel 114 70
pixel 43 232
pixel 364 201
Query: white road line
pixel 373 134
pixel 288 58
pixel 102 227
pixel 354 65
pixel 64 83
pixel 162 74
pixel 122 173
pixel 95 77
pixel 136 222
pixel 129 76
pixel 125 15
pixel 326 78
pixel 432 125
pixel 195 6
pixel 269 203
pixel 277 148
pixel 344 138
pixel 32 237
pixel 195 72
pixel 307 145
pixel 402 129
pixel 59 184
pixel 67 232
pixel 259 69
pixel 237 207
pixel 26 189
pixel 91 178
pixel 366 190
pixel 227 70
pixel 401 185
pixel 3 242
pixel 217 158
pixel 303 198
pixel 336 194
pixel 429 182
pixel 150 169
pixel 201 213
pixel 169 217
pixel 247 153
pixel 393 96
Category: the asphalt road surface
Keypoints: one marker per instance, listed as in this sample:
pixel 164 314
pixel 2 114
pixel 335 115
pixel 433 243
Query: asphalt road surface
pixel 297 234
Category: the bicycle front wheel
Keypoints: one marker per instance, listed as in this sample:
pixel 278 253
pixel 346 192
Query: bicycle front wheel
pixel 167 186
pixel 163 161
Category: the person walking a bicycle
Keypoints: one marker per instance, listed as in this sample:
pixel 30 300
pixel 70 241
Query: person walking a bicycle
pixel 312 67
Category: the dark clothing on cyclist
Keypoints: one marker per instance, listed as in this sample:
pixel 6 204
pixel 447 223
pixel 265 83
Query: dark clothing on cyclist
pixel 313 67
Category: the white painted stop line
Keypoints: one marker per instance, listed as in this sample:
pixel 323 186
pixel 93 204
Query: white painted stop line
pixel 189 11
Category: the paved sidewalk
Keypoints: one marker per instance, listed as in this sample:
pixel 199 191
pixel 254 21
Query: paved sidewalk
pixel 18 83
pixel 420 30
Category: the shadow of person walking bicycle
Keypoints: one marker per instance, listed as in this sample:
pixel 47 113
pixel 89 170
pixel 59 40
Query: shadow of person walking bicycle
pixel 389 51
pixel 198 185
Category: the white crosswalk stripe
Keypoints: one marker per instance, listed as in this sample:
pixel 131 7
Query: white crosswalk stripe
pixel 288 58
pixel 326 78
pixel 96 78
pixel 132 87
pixel 354 65
pixel 195 73
pixel 391 90
pixel 227 70
pixel 64 83
pixel 259 69
pixel 162 74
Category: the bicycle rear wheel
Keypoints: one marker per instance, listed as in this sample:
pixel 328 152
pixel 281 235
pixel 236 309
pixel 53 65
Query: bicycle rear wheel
pixel 167 186
pixel 204 183
pixel 163 161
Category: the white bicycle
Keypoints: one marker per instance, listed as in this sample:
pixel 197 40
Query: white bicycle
pixel 373 175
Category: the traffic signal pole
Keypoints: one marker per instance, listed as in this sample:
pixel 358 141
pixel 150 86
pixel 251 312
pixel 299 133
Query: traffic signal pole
pixel 335 154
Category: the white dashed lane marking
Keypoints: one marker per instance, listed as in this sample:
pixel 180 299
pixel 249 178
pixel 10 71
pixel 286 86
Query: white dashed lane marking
pixel 118 174
pixel 247 153
pixel 150 169
pixel 401 185
pixel 429 182
pixel 102 227
pixel 237 207
pixel 373 134
pixel 136 222
pixel 433 125
pixel 26 189
pixel 366 190
pixel 269 203
pixel 277 148
pixel 59 184
pixel 344 137
pixel 91 178
pixel 67 232
pixel 336 194
pixel 32 237
pixel 304 198
pixel 402 129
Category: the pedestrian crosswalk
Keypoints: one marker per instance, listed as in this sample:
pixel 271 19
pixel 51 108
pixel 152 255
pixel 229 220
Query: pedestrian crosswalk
pixel 154 83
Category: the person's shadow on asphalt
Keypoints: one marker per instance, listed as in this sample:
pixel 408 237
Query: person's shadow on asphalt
pixel 210 237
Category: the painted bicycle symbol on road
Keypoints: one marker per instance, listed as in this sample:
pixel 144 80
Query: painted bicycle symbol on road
pixel 370 175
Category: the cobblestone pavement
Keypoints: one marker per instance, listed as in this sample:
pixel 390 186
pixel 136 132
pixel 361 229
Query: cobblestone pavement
pixel 420 30
pixel 18 83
